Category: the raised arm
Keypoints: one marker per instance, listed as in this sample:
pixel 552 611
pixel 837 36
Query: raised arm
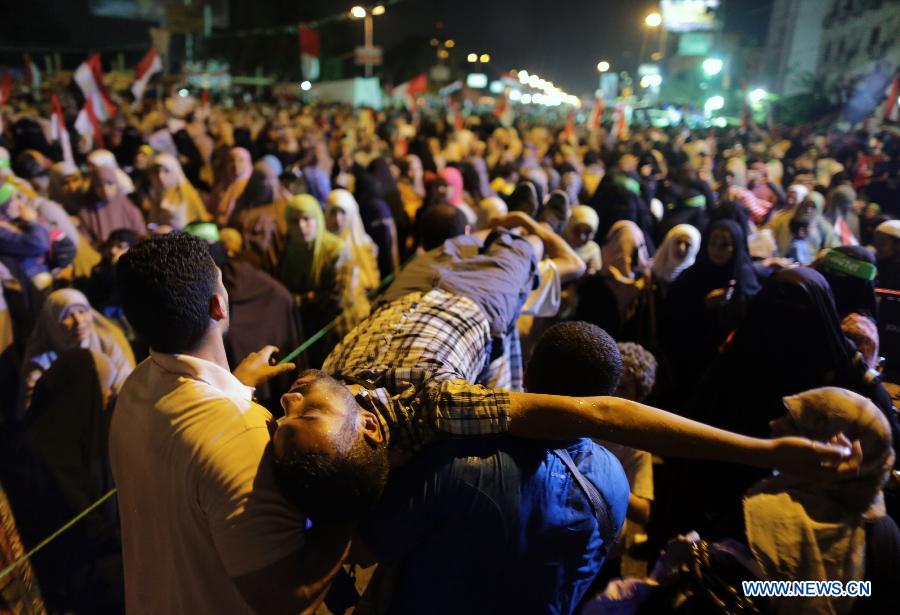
pixel 667 434
pixel 568 263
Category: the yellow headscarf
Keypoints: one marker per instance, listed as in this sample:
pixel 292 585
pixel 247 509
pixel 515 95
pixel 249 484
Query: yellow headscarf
pixel 304 262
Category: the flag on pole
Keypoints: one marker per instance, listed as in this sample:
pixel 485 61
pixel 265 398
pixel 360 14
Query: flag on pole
pixel 58 131
pixel 89 77
pixel 309 51
pixel 88 123
pixel 596 116
pixel 408 91
pixel 32 74
pixel 150 64
pixel 5 86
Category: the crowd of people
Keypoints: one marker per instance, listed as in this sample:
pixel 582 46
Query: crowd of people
pixel 454 282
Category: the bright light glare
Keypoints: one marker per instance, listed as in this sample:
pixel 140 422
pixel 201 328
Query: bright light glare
pixel 533 80
pixel 720 122
pixel 183 92
pixel 523 76
pixel 515 95
pixel 653 20
pixel 472 57
pixel 603 66
pixel 756 96
pixel 714 103
pixel 305 86
pixel 378 10
pixel 357 12
pixel 526 99
pixel 712 66
pixel 485 58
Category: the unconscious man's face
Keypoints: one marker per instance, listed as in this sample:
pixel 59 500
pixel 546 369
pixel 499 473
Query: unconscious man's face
pixel 330 456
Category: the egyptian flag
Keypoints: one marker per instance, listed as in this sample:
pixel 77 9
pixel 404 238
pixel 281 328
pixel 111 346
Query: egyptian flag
pixel 88 123
pixel 58 131
pixel 89 78
pixel 310 49
pixel 596 116
pixel 32 74
pixel 408 91
pixel 150 65
pixel 5 86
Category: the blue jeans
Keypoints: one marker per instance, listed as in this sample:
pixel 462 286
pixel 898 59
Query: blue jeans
pixel 496 526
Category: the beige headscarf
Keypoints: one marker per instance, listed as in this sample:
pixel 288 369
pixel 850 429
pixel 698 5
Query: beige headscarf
pixel 179 205
pixel 363 251
pixel 798 530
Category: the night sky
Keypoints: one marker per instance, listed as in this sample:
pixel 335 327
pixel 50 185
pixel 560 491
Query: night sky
pixel 561 40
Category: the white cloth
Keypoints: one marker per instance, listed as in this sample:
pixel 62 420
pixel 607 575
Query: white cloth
pixel 197 497
pixel 667 264
pixel 544 301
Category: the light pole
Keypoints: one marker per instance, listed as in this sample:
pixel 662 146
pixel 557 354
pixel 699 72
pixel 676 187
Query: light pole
pixel 358 12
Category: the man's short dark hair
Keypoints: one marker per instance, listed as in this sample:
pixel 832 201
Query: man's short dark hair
pixel 574 358
pixel 165 283
pixel 439 223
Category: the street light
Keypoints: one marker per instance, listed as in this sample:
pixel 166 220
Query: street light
pixel 712 66
pixel 472 58
pixel 653 20
pixel 306 86
pixel 358 12
pixel 603 66
pixel 378 9
pixel 449 43
pixel 485 58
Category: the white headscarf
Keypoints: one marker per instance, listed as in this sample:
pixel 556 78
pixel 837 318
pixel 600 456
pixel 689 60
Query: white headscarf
pixel 105 158
pixel 801 191
pixel 667 265
pixel 362 249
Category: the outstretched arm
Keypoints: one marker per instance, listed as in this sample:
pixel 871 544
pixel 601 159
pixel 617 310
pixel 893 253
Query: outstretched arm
pixel 667 434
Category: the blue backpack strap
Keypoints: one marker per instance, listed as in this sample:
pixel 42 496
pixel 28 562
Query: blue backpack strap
pixel 598 504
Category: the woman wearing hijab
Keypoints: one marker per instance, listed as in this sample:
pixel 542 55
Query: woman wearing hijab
pixel 173 200
pixel 456 192
pixel 677 253
pixel 105 208
pixel 378 222
pixel 65 185
pixel 800 530
pixel 705 303
pixel 387 184
pixel 342 218
pixel 625 264
pixel 61 467
pixel 610 299
pixel 819 234
pixel 67 321
pixel 579 232
pixel 411 184
pixel 314 268
pixel 790 341
pixel 228 190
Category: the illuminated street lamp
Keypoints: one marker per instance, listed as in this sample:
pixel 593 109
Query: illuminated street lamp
pixel 306 86
pixel 485 58
pixel 653 20
pixel 603 66
pixel 472 57
pixel 712 66
pixel 358 12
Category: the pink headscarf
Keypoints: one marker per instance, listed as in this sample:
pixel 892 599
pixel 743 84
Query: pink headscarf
pixel 454 179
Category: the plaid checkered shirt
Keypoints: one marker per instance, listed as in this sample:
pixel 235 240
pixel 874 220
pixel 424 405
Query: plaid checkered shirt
pixel 418 357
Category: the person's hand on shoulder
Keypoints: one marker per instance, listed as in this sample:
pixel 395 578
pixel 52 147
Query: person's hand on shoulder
pixel 256 368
